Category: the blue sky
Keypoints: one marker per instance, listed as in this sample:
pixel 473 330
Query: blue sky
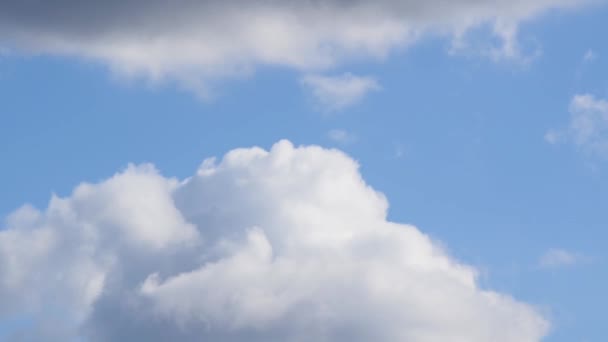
pixel 456 141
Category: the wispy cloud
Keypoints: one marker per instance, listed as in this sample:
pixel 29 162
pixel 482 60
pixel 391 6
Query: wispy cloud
pixel 400 151
pixel 335 93
pixel 507 48
pixel 341 136
pixel 558 258
pixel 588 126
pixel 590 56
pixel 552 136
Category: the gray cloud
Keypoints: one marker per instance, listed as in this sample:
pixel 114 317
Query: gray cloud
pixel 196 41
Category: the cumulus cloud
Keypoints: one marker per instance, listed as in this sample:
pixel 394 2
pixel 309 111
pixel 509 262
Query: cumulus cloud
pixel 588 127
pixel 282 245
pixel 195 42
pixel 335 93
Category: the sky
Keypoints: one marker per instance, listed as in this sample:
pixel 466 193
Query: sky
pixel 391 170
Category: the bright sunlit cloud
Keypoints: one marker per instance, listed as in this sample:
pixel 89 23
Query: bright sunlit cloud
pixel 287 244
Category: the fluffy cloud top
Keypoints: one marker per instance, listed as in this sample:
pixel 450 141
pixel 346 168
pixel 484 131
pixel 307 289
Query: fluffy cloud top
pixel 195 41
pixel 282 245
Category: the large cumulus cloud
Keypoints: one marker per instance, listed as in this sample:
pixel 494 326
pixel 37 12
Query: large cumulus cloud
pixel 282 245
pixel 196 41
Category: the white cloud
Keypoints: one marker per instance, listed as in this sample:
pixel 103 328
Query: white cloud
pixel 509 47
pixel 335 93
pixel 195 42
pixel 588 127
pixel 556 258
pixel 282 245
pixel 341 136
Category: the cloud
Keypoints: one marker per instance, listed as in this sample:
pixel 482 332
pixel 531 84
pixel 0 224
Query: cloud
pixel 400 150
pixel 335 93
pixel 196 42
pixel 510 48
pixel 557 258
pixel 553 137
pixel 282 245
pixel 341 136
pixel 590 56
pixel 588 127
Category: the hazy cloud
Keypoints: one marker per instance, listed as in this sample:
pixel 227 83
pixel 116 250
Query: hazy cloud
pixel 335 93
pixel 590 56
pixel 341 136
pixel 556 258
pixel 588 126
